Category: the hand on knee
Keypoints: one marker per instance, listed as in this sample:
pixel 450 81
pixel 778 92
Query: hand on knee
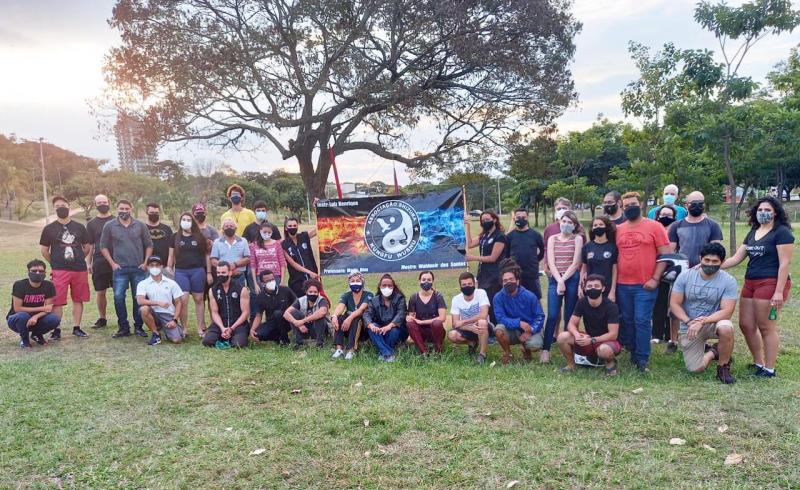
pixel 605 352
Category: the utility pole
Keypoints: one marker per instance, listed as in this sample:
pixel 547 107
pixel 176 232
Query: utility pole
pixel 44 182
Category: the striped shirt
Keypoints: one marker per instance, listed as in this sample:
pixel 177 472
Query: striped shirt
pixel 564 252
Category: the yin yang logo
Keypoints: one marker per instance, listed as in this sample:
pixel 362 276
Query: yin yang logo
pixel 392 230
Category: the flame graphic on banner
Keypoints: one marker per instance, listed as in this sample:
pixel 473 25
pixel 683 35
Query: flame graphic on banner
pixel 342 235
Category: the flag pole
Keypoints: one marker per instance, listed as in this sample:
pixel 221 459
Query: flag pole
pixel 335 173
pixel 467 237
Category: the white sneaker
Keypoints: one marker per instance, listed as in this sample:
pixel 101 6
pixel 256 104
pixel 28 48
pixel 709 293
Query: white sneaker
pixel 338 353
pixel 349 356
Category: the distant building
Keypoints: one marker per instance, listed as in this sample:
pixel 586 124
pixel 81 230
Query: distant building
pixel 135 152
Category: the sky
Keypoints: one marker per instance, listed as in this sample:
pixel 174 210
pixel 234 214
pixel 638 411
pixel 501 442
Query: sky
pixel 51 56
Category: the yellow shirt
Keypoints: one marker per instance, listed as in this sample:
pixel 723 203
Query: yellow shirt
pixel 242 219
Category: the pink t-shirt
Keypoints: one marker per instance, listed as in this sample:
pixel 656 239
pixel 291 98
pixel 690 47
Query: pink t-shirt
pixel 270 257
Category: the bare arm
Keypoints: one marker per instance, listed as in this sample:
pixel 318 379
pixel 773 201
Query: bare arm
pixel 551 258
pixel 45 252
pixel 785 261
pixel 212 305
pixel 613 331
pixel 497 251
pixel 576 259
pixel 736 259
pixel 41 310
pixel 244 303
pixel 296 266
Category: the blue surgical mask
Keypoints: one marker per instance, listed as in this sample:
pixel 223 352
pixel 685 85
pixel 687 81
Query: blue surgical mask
pixel 669 199
pixel 356 286
pixel 261 215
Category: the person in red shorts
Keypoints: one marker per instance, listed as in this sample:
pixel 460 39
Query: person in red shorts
pixel 601 325
pixel 65 245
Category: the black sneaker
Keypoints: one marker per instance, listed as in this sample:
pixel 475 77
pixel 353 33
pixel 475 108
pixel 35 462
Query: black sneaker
pixel 642 368
pixel 39 338
pixel 24 345
pixel 122 333
pixel 672 348
pixel 724 374
pixel 763 373
pixel 155 339
pixel 56 334
pixel 76 331
pixel 480 359
pixel 100 323
pixel 139 332
pixel 753 368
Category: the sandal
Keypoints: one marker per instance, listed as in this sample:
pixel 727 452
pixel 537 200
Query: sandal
pixel 612 369
pixel 567 370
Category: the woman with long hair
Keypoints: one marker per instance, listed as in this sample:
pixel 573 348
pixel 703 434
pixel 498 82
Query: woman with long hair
pixel 385 318
pixel 266 254
pixel 769 246
pixel 427 311
pixel 189 257
pixel 492 243
pixel 599 255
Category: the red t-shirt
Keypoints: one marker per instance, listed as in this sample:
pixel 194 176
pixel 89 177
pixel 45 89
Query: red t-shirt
pixel 638 249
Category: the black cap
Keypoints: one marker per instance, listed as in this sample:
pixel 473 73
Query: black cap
pixel 154 258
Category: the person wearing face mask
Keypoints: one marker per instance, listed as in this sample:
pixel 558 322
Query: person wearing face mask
pixel 427 311
pixel 299 255
pixel 561 206
pixel 65 245
pixel 601 324
pixel 669 198
pixel 599 256
pixel 769 247
pixel 31 314
pixel 229 302
pixel 662 322
pixel 253 230
pixel 126 245
pixel 526 247
pixel 348 317
pixel 160 234
pixel 309 315
pixel 102 275
pixel 233 249
pixel 200 214
pixel 612 207
pixel 160 299
pixel 385 318
pixel 266 253
pixel 469 312
pixel 564 262
pixel 703 300
pixel 520 317
pixel 639 242
pixel 271 303
pixel 189 258
pixel 240 215
pixel 491 243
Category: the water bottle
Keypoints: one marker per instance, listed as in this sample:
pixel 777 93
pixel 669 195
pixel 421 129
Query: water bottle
pixel 773 313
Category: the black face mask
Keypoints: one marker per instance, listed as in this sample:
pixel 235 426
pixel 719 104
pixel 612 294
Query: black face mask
pixel 291 231
pixel 229 232
pixel 710 270
pixel 468 290
pixel 124 215
pixel 697 209
pixel 62 213
pixel 36 276
pixel 593 293
pixel 200 217
pixel 103 208
pixel 521 223
pixel 222 280
pixel 633 213
pixel 510 287
pixel 610 209
pixel 426 286
pixel 153 217
pixel 666 221
pixel 599 231
pixel 487 225
pixel 312 298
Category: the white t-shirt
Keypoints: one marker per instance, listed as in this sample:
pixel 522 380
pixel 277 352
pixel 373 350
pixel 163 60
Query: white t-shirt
pixel 469 309
pixel 165 291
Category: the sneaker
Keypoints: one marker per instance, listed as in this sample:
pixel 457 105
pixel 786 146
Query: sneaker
pixel 724 374
pixel 76 331
pixel 480 359
pixel 473 348
pixel 39 338
pixel 349 356
pixel 643 368
pixel 155 339
pixel 763 373
pixel 754 369
pixel 672 348
pixel 544 357
pixel 611 369
pixel 567 370
pixel 139 332
pixel 100 323
pixel 24 345
pixel 506 358
pixel 391 358
pixel 122 333
pixel 56 334
pixel 337 354
pixel 654 341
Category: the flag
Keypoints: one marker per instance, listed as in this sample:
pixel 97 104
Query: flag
pixel 336 174
pixel 396 187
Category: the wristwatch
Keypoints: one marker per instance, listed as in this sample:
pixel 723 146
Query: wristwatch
pixel 593 340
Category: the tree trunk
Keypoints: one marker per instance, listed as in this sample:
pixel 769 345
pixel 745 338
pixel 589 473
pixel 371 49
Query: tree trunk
pixel 536 214
pixel 314 180
pixel 726 158
pixel 741 201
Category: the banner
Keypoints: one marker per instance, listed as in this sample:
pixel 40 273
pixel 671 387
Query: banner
pixel 392 233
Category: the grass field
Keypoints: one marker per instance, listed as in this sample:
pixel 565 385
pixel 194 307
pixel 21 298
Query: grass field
pixel 104 413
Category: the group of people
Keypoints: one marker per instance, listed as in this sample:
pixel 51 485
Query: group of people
pixel 612 280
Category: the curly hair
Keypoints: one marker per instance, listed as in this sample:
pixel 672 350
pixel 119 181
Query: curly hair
pixel 781 218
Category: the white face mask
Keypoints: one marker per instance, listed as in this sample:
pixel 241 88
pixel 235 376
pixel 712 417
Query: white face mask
pixel 560 213
pixel 155 271
pixel 186 225
pixel 266 235
pixel 386 292
pixel 272 285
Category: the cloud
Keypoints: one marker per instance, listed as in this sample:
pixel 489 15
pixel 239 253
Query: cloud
pixel 12 38
pixel 619 10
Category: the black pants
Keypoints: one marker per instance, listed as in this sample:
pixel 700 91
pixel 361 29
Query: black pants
pixel 661 312
pixel 491 290
pixel 238 337
pixel 530 282
pixel 316 328
pixel 274 328
pixel 356 331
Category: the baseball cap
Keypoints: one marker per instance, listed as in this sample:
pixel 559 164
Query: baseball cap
pixel 198 208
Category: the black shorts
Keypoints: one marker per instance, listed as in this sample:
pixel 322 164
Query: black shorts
pixel 472 336
pixel 102 277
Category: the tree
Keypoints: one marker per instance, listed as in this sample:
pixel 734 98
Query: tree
pixel 532 166
pixel 319 75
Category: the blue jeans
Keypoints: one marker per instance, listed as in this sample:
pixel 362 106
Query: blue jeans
pixel 125 277
pixel 386 343
pixel 18 322
pixel 636 311
pixel 554 302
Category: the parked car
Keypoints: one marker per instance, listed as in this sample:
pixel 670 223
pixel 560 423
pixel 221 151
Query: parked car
pixel 475 213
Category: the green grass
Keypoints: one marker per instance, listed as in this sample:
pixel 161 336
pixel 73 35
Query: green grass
pixel 103 413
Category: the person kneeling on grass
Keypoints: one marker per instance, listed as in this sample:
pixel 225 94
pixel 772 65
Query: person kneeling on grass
pixel 161 302
pixel 31 313
pixel 703 299
pixel 601 323
pixel 470 313
pixel 310 310
pixel 519 316
pixel 386 318
pixel 348 317
pixel 270 305
pixel 229 302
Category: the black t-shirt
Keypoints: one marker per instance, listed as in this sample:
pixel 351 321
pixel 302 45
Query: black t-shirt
pixel 300 253
pixel 596 320
pixel 527 249
pixel 489 273
pixel 189 255
pixel 252 231
pixel 600 259
pixel 619 220
pixel 161 235
pixel 31 297
pixel 764 262
pixel 95 230
pixel 280 301
pixel 66 245
pixel 426 311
